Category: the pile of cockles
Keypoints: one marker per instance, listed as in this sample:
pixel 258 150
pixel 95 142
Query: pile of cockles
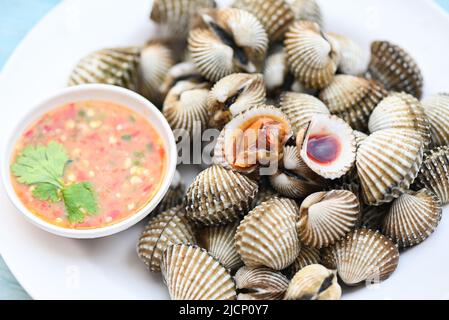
pixel 328 163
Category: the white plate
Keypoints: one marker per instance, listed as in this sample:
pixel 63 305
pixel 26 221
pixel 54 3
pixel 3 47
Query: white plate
pixel 50 267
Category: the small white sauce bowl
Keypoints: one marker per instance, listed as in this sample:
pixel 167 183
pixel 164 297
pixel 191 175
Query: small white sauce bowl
pixel 102 92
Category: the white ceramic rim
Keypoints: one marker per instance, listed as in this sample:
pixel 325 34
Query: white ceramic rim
pixel 86 92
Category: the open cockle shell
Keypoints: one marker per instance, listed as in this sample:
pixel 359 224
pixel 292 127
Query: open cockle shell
pixel 267 235
pixel 306 10
pixel 295 179
pixel 400 111
pixel 329 146
pixel 436 108
pixel 260 284
pixel 434 173
pixel 185 106
pixel 255 137
pixel 325 217
pixel 227 41
pixel 395 69
pixel 219 242
pixel 191 273
pixel 232 95
pixel 218 196
pixel 387 163
pixel 412 218
pixel 314 282
pixel 363 255
pixel 156 58
pixel 353 60
pixel 353 99
pixel 177 15
pixel 169 227
pixel 311 55
pixel 115 66
pixel 275 15
pixel 307 256
pixel 299 108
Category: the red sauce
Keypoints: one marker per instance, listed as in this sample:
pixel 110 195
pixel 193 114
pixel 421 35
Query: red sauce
pixel 109 145
pixel 323 149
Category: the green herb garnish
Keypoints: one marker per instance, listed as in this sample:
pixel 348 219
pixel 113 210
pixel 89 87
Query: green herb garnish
pixel 126 137
pixel 139 154
pixel 43 167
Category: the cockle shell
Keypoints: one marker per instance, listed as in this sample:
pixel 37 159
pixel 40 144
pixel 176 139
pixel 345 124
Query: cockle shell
pixel 219 242
pixel 156 58
pixel 395 68
pixel 299 108
pixel 353 99
pixel 363 255
pixel 260 284
pixel 325 217
pixel 311 55
pixel 275 15
pixel 169 227
pixel 295 179
pixel 116 66
pixel 183 71
pixel 436 108
pixel 306 10
pixel 314 282
pixel 227 41
pixel 434 173
pixel 185 106
pixel 173 197
pixel 387 163
pixel 191 273
pixel 307 256
pixel 232 95
pixel 400 111
pixel 412 218
pixel 256 137
pixel 218 196
pixel 329 146
pixel 353 60
pixel 177 15
pixel 267 235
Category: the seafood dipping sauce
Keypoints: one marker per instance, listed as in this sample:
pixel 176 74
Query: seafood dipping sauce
pixel 114 160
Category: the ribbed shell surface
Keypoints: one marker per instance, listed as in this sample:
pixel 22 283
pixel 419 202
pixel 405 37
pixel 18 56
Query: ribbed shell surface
pixel 219 196
pixel 275 15
pixel 363 255
pixel 300 107
pixel 169 227
pixel 387 163
pixel 190 273
pixel 219 242
pixel 395 68
pixel 353 99
pixel 260 284
pixel 267 235
pixel 115 66
pixel 325 217
pixel 434 173
pixel 412 218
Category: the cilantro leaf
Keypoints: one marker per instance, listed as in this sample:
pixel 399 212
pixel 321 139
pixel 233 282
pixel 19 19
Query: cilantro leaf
pixel 46 191
pixel 79 200
pixel 41 164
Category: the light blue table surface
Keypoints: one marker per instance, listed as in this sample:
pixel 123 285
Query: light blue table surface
pixel 17 17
